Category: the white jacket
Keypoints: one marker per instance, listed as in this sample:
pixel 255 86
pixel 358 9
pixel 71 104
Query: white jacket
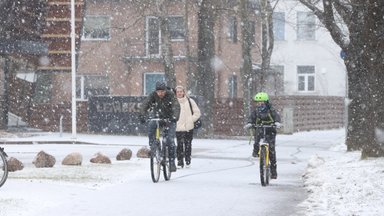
pixel 186 119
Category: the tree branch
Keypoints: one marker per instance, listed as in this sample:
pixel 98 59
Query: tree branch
pixel 328 19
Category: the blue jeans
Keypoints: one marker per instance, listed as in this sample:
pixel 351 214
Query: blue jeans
pixel 170 132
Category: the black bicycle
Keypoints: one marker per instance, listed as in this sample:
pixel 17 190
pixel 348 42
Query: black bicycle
pixel 3 166
pixel 160 153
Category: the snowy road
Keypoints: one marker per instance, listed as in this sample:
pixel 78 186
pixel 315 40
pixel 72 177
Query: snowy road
pixel 223 180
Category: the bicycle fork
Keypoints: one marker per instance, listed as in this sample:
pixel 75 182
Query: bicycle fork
pixel 266 146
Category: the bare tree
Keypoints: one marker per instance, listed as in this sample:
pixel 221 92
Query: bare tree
pixel 362 46
pixel 246 45
pixel 191 76
pixel 205 56
pixel 267 41
pixel 159 8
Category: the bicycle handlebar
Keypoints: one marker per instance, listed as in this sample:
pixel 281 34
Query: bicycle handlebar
pixel 264 126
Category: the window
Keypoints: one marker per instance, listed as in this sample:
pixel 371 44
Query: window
pixel 279 26
pixel 306 26
pixel 251 31
pixel 153 36
pixel 176 27
pixel 43 92
pixel 275 80
pixel 87 86
pixel 232 86
pixel 150 80
pixel 96 28
pixel 232 29
pixel 306 78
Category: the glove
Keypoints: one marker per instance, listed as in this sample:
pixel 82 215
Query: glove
pixel 142 119
pixel 163 122
pixel 248 126
pixel 278 124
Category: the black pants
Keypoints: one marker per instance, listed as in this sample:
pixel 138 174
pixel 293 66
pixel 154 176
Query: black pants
pixel 184 145
pixel 271 139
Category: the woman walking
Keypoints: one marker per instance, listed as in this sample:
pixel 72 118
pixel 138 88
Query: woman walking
pixel 189 113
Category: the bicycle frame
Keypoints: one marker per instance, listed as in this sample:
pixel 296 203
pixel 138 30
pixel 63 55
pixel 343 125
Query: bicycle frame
pixel 159 155
pixel 264 161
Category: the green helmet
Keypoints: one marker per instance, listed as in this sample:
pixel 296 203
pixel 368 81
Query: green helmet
pixel 261 96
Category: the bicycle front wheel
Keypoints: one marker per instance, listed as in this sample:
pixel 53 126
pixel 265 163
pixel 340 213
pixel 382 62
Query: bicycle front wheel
pixel 166 164
pixel 155 162
pixel 3 168
pixel 264 166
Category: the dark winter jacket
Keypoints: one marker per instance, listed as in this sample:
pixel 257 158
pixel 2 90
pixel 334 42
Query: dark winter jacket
pixel 167 107
pixel 265 117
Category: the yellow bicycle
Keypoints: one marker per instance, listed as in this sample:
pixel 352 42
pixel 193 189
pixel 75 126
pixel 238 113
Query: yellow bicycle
pixel 160 154
pixel 264 162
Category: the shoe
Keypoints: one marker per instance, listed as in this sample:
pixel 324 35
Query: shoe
pixel 255 154
pixel 180 163
pixel 172 166
pixel 273 174
pixel 188 162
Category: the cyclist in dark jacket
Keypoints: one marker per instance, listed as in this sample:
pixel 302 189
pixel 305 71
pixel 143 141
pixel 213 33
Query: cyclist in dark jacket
pixel 163 104
pixel 265 114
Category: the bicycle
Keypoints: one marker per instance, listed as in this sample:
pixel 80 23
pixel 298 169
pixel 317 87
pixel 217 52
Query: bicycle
pixel 160 154
pixel 264 161
pixel 3 167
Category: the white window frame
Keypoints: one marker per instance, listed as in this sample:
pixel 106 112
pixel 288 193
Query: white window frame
pixel 279 26
pixel 232 86
pixel 147 37
pixel 82 86
pixel 108 27
pixel 306 75
pixel 161 77
pixel 306 26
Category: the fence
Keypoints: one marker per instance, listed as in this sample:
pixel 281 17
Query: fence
pixel 299 113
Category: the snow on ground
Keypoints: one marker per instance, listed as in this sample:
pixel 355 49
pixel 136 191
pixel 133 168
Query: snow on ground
pixel 337 182
pixel 343 184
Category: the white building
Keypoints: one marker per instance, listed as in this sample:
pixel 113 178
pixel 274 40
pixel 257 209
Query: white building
pixel 305 52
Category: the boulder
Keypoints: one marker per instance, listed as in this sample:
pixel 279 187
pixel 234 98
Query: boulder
pixel 43 159
pixel 100 158
pixel 73 159
pixel 143 152
pixel 124 154
pixel 14 164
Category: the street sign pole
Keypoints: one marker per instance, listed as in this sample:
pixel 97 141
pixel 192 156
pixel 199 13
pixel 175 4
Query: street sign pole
pixel 73 68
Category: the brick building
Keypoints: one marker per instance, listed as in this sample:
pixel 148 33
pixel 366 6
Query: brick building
pixel 119 55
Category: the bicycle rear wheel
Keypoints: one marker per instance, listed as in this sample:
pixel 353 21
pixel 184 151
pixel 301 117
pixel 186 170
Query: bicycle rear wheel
pixel 166 164
pixel 3 168
pixel 155 162
pixel 264 166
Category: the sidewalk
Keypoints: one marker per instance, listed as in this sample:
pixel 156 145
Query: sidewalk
pixel 67 138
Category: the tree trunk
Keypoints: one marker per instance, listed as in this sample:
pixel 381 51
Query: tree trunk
pixel 5 101
pixel 267 41
pixel 191 76
pixel 374 66
pixel 166 49
pixel 246 68
pixel 206 53
pixel 364 67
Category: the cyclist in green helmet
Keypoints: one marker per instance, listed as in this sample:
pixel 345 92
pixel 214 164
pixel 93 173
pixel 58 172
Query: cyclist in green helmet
pixel 264 114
